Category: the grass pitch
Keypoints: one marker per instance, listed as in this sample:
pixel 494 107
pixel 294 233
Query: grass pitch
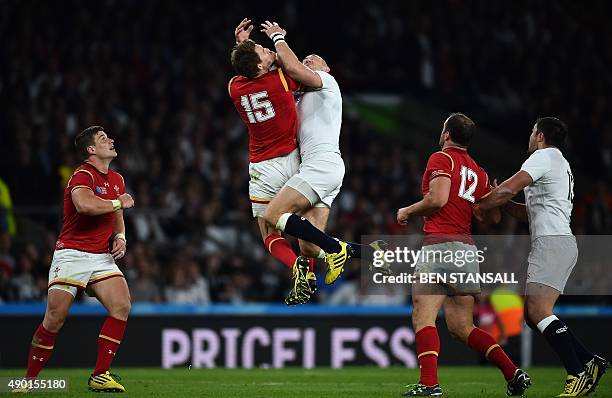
pixel 322 382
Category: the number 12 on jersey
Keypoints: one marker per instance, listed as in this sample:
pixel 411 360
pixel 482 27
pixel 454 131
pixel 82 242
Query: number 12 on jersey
pixel 468 176
pixel 257 107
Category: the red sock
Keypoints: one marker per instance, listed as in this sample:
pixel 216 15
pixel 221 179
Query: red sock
pixel 109 339
pixel 484 343
pixel 310 263
pixel 428 347
pixel 280 249
pixel 40 351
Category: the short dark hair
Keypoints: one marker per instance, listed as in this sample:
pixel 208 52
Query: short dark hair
pixel 84 139
pixel 461 128
pixel 554 130
pixel 245 59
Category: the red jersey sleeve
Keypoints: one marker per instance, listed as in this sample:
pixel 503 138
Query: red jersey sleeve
pixel 440 164
pixel 484 189
pixel 81 179
pixel 288 83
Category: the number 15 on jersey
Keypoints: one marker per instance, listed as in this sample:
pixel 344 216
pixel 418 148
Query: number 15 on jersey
pixel 257 107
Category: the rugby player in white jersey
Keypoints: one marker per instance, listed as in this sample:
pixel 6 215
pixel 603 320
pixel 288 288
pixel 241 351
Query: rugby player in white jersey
pixel 302 207
pixel 546 178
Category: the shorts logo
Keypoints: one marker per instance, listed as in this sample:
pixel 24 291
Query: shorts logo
pixel 101 190
pixel 56 270
pixel 561 330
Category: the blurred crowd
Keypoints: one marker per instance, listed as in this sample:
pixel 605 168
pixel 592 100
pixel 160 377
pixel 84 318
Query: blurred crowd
pixel 154 74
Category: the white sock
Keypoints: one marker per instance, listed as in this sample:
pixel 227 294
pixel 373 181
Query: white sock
pixel 543 324
pixel 282 221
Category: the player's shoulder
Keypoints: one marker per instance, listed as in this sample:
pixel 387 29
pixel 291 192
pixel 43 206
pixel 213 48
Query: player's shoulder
pixel 84 170
pixel 443 156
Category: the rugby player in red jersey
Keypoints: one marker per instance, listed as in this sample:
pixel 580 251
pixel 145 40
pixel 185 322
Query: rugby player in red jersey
pixel 91 239
pixel 452 183
pixel 263 96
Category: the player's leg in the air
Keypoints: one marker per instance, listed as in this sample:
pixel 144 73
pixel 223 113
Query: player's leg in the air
pixel 113 293
pixel 283 211
pixel 280 248
pixel 584 369
pixel 318 216
pixel 458 312
pixel 424 314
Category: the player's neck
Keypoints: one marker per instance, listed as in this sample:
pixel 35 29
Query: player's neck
pixel 99 164
pixel 448 145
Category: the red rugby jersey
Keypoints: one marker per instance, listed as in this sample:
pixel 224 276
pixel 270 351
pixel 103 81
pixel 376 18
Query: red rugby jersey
pixel 469 184
pixel 267 108
pixel 89 233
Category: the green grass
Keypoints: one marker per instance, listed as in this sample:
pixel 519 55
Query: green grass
pixel 322 382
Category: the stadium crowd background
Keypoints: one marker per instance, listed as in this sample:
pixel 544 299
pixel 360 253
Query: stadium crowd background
pixel 154 74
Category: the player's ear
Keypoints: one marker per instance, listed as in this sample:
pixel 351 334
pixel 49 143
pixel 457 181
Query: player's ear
pixel 91 150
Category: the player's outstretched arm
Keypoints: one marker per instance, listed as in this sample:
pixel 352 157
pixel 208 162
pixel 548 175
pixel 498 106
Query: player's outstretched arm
pixel 89 204
pixel 287 59
pixel 243 31
pixel 436 198
pixel 506 191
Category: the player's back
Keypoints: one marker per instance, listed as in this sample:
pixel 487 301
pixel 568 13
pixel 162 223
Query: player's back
pixel 320 115
pixel 267 108
pixel 469 183
pixel 549 198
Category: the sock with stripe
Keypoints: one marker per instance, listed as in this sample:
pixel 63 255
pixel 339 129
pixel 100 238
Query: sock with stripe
pixel 301 228
pixel 280 249
pixel 40 351
pixel 482 342
pixel 560 339
pixel 109 340
pixel 428 348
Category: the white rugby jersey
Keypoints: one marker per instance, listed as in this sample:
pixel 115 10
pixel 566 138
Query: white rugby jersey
pixel 550 197
pixel 320 118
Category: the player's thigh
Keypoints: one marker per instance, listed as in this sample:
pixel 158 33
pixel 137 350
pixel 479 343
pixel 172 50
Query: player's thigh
pixel 458 312
pixel 58 305
pixel 288 200
pixel 318 217
pixel 114 294
pixel 540 300
pixel 425 309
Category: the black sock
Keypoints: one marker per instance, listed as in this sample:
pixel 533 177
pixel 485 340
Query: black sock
pixel 357 250
pixel 583 353
pixel 301 228
pixel 560 339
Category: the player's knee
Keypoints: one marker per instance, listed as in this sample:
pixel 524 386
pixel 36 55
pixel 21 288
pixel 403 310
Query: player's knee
pixel 271 216
pixel 54 319
pixel 121 310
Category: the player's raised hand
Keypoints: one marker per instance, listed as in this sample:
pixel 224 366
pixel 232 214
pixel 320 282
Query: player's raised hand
pixel 243 30
pixel 126 200
pixel 119 247
pixel 403 215
pixel 270 28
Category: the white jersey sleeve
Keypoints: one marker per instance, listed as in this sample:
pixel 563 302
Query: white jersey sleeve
pixel 537 165
pixel 327 80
